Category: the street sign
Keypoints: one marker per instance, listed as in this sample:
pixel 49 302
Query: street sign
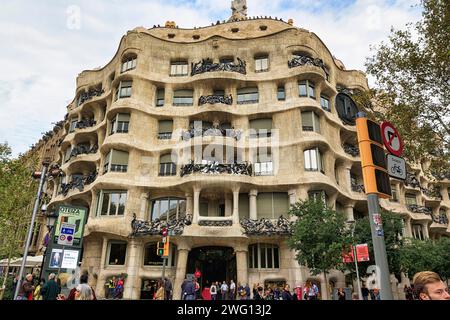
pixel 391 138
pixel 396 167
pixel 66 234
pixel 362 252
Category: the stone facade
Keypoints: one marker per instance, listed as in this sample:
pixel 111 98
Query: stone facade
pixel 144 61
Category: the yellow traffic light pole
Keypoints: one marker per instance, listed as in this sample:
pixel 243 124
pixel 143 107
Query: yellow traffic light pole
pixel 376 183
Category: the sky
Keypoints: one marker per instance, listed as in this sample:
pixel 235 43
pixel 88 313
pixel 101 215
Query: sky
pixel 45 44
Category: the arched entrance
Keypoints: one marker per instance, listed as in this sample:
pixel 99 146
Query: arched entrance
pixel 215 264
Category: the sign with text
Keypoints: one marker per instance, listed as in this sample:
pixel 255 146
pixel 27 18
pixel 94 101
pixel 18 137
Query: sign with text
pixel 70 259
pixel 362 252
pixel 396 167
pixel 72 215
pixel 66 234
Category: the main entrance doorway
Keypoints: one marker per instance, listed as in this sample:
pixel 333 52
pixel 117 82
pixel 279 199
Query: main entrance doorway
pixel 214 263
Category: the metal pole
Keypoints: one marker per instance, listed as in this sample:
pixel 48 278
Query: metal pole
pixel 357 273
pixel 379 248
pixel 30 230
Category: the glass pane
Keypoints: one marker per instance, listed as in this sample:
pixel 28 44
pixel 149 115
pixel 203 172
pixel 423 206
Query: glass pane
pixel 314 165
pixel 155 210
pixel 269 258
pixel 263 256
pixel 302 89
pixel 114 203
pixel 122 202
pixel 164 209
pixel 250 257
pixel 311 91
pixel 105 203
pixel 117 253
pixel 173 205
pixel 307 156
pixel 151 258
pixel 276 258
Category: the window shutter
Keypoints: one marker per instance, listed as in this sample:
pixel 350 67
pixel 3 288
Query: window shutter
pixel 307 119
pixel 259 124
pixel 183 93
pixel 247 90
pixel 165 126
pixel 123 117
pixel 167 158
pixel 119 157
pixel 244 206
pixel 316 122
pixel 264 205
pixel 280 204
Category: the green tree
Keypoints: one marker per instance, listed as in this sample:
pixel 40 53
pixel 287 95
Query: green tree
pixel 392 226
pixel 428 255
pixel 17 192
pixel 412 73
pixel 319 235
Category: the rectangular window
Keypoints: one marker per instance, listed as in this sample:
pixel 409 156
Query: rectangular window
pixel 112 203
pixel 73 125
pixel 262 64
pixel 118 161
pixel 302 89
pixel 116 253
pixel 165 129
pixel 166 166
pixel 313 160
pixel 129 64
pixel 179 68
pixel 325 103
pixel 260 128
pixel 67 154
pixel 247 95
pixel 160 97
pixel 281 94
pixel 310 121
pixel 410 199
pixel 124 89
pixel 183 98
pixel 394 193
pixel 272 205
pixel 306 89
pixel 120 123
pixel 264 168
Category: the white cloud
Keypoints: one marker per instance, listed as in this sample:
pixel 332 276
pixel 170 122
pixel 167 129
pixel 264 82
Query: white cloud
pixel 46 44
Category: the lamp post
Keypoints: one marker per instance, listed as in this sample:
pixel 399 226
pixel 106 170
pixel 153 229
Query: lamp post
pixel 352 224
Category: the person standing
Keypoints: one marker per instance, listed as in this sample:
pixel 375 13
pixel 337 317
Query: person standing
pixel 111 287
pixel 213 291
pixel 189 290
pixel 37 295
pixel 118 290
pixel 84 279
pixel 316 291
pixel 26 288
pixel 232 290
pixel 160 292
pixel 247 291
pixel 168 289
pixel 51 290
pixel 224 290
pixel 365 292
pixel 84 292
pixel 286 294
pixel 341 294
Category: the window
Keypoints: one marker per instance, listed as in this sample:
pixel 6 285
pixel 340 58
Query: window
pixel 160 97
pixel 67 154
pixel 346 108
pixel 263 256
pixel 410 199
pixel 317 195
pixel 263 165
pixel 183 98
pixel 417 231
pixel 244 205
pixel 394 193
pixel 313 160
pixel 260 128
pixel 325 103
pixel 226 60
pixel 117 252
pixel 261 64
pixel 73 125
pixel 179 68
pixel 152 259
pixel 247 95
pixel 272 205
pixel 219 93
pixel 310 121
pixel 167 208
pixel 116 161
pixel 120 123
pixel 166 166
pixel 124 90
pixel 129 63
pixel 306 89
pixel 281 94
pixel 111 203
pixel 165 129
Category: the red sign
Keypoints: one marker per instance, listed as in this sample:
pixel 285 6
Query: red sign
pixel 347 257
pixel 197 274
pixel 362 252
pixel 391 138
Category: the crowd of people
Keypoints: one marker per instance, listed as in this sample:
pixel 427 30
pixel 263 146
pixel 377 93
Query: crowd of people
pixel 115 287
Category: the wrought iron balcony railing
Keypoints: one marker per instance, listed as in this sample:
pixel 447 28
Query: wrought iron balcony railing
pixel 213 99
pixel 205 132
pixel 351 150
pixel 165 135
pixel 358 188
pixel 207 65
pixel 217 168
pixel 85 96
pixel 441 219
pixel 300 60
pixel 419 209
pixel 412 181
pixel 85 123
pixel 266 227
pixel 82 149
pixel 143 228
pixel 78 182
pixel 432 193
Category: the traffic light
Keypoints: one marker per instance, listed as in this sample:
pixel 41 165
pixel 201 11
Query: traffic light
pixel 164 232
pixel 373 159
pixel 160 249
pixel 166 247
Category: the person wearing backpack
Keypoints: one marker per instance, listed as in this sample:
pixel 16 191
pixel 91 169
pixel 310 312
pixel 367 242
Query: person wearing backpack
pixel 213 291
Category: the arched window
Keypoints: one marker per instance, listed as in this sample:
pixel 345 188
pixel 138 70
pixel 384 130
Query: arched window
pixel 263 256
pixel 346 108
pixel 152 259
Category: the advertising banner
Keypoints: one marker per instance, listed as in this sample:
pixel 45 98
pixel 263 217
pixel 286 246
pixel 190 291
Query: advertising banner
pixel 72 215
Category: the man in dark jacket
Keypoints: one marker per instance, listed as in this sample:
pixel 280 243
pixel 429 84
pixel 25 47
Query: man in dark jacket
pixel 189 290
pixel 26 288
pixel 167 289
pixel 51 289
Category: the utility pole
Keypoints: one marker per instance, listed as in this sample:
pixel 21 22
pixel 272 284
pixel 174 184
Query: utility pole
pixel 30 230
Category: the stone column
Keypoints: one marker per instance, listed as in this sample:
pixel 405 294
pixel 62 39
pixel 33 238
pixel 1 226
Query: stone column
pixel 241 264
pixel 332 200
pixel 132 271
pixel 348 210
pixel 228 205
pixel 252 204
pixel 196 212
pixel 292 196
pixel 303 192
pixel 426 234
pixel 188 203
pixel 183 252
pixel 236 206
pixel 100 288
pixel 408 229
pixel 143 212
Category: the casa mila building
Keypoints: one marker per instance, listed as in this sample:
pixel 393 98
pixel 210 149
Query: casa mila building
pixel 213 132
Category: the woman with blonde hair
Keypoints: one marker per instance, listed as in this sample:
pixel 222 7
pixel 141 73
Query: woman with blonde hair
pixel 84 292
pixel 160 292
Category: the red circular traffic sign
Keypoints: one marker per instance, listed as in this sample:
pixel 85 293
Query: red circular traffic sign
pixel 391 138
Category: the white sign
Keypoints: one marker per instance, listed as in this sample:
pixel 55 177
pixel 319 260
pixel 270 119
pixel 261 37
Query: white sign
pixel 396 167
pixel 70 259
pixel 66 234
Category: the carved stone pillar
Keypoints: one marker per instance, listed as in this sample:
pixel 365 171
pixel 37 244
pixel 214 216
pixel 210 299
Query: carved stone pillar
pixel 183 252
pixel 131 286
pixel 408 230
pixel 196 212
pixel 292 196
pixel 241 265
pixel 426 234
pixel 252 203
pixel 348 210
pixel 188 203
pixel 236 206
pixel 144 205
pixel 100 289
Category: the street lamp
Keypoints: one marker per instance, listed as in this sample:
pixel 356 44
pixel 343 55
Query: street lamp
pixel 352 224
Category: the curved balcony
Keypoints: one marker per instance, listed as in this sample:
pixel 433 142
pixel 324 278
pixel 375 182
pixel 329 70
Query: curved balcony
pixel 351 150
pixel 211 132
pixel 213 99
pixel 85 123
pixel 215 221
pixel 78 183
pixel 300 60
pixel 155 227
pixel 207 65
pixel 217 168
pixel 267 227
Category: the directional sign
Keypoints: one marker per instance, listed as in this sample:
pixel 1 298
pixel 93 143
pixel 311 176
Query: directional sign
pixel 391 138
pixel 66 234
pixel 396 167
